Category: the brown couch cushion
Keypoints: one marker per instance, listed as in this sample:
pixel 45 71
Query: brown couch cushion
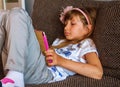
pixel 81 81
pixel 107 37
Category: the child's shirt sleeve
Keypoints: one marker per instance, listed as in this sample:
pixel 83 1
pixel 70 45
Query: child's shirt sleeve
pixel 87 46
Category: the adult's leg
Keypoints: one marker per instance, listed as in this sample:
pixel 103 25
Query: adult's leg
pixel 2 31
pixel 2 37
pixel 16 40
pixel 23 48
pixel 14 49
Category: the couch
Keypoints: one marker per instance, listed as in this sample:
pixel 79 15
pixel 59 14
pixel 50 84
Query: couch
pixel 106 36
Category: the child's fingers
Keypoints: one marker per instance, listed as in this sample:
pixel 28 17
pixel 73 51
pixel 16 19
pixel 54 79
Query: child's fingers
pixel 50 61
pixel 49 52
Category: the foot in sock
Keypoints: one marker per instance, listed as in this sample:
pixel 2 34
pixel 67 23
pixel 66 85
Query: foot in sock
pixel 13 79
pixel 6 82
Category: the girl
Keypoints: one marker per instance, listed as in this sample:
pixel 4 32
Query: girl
pixel 76 53
pixel 24 62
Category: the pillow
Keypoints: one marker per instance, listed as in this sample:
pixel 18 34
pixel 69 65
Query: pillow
pixel 107 37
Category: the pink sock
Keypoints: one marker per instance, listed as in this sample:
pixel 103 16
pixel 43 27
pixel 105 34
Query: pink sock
pixel 13 78
pixel 7 80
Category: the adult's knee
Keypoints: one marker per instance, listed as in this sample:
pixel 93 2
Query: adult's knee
pixel 17 20
pixel 18 13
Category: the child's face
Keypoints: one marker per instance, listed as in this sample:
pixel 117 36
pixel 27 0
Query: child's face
pixel 75 29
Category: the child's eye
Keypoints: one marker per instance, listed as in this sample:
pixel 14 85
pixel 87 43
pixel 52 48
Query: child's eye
pixel 73 23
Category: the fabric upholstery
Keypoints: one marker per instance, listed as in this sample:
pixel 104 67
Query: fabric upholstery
pixel 107 38
pixel 81 81
pixel 106 35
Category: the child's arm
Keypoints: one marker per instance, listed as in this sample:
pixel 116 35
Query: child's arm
pixel 91 69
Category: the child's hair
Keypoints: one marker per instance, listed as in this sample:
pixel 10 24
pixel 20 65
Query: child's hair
pixel 87 16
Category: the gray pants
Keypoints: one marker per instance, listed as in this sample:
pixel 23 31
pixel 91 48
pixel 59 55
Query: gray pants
pixel 20 48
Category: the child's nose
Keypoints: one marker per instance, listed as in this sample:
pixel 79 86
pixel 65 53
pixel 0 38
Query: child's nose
pixel 67 27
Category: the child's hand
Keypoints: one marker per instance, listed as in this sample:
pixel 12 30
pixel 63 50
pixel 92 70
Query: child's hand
pixel 51 57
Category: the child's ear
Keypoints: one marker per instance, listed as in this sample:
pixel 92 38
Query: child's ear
pixel 89 27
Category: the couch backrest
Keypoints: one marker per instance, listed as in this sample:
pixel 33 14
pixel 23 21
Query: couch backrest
pixel 107 37
pixel 46 15
pixel 107 29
